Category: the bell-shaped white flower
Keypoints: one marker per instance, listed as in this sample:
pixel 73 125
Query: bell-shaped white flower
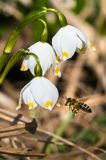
pixel 26 97
pixel 68 40
pixel 39 91
pixel 45 54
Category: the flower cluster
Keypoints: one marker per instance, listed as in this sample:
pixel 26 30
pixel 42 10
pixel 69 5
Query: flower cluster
pixel 40 91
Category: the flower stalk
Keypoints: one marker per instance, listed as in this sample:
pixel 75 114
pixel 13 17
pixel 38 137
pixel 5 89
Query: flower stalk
pixel 45 31
pixel 60 15
pixel 15 58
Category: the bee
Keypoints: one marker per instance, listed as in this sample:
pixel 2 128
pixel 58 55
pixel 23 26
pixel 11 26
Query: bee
pixel 75 105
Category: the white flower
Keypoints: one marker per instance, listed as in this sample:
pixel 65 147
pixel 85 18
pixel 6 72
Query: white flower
pixel 45 54
pixel 39 91
pixel 68 40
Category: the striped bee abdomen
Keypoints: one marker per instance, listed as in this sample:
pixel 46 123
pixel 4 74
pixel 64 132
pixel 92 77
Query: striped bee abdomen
pixel 84 107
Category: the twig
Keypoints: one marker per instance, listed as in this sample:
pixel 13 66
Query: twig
pixel 31 139
pixel 15 141
pixel 20 152
pixel 12 128
pixel 69 143
pixel 12 134
pixel 100 149
pixel 53 135
pixel 13 115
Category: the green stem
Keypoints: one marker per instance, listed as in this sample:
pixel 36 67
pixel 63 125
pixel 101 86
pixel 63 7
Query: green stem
pixel 10 64
pixel 3 60
pixel 80 135
pixel 60 15
pixel 15 35
pixel 45 31
pixel 63 126
pixel 15 58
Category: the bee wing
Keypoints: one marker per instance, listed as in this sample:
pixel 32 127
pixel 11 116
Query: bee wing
pixel 84 99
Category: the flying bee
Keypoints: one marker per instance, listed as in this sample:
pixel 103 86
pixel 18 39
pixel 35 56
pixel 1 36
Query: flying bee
pixel 75 105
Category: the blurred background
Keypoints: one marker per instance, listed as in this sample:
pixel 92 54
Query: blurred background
pixel 82 76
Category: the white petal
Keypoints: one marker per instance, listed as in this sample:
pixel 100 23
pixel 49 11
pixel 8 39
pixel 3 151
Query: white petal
pixel 80 43
pixel 69 44
pixel 27 97
pixel 24 66
pixel 64 43
pixel 44 92
pixel 20 97
pixel 52 54
pixel 31 64
pixel 56 42
pixel 79 33
pixel 46 56
pixel 82 38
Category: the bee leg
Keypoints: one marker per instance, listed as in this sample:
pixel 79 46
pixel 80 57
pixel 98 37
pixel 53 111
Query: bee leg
pixel 71 108
pixel 76 111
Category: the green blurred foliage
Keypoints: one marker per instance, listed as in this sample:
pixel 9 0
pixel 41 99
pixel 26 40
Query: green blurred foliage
pixel 80 4
pixel 37 5
pixel 63 149
pixel 101 121
pixel 94 15
pixel 23 9
pixel 102 28
pixel 85 136
pixel 2 29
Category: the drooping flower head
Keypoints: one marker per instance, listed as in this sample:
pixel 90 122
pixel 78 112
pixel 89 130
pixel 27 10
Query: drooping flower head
pixel 46 57
pixel 68 40
pixel 39 92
